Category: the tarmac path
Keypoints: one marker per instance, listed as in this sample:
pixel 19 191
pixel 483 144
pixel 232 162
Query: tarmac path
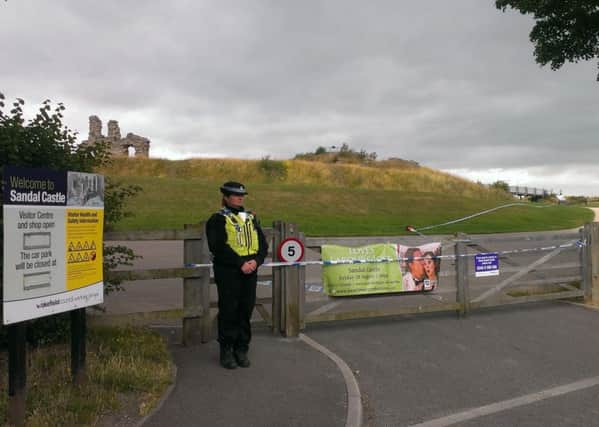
pixel 524 366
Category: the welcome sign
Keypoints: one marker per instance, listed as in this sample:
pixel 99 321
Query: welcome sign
pixel 53 228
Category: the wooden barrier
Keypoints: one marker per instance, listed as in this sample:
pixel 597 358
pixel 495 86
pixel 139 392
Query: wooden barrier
pixel 196 316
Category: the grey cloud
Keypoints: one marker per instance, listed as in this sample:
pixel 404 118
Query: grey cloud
pixel 449 84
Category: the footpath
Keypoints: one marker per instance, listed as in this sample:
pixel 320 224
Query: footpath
pixel 530 365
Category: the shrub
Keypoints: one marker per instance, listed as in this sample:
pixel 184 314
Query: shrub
pixel 273 169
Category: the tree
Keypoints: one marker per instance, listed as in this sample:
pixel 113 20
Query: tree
pixel 44 141
pixel 501 185
pixel 564 30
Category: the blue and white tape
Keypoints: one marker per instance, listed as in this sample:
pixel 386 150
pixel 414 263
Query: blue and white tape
pixel 577 244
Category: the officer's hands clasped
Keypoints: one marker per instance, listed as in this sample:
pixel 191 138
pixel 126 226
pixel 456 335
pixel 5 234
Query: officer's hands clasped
pixel 249 267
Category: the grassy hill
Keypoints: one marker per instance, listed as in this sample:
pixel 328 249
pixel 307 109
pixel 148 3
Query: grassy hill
pixel 326 198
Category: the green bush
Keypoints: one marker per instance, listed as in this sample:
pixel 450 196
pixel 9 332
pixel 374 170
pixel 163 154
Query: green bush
pixel 273 169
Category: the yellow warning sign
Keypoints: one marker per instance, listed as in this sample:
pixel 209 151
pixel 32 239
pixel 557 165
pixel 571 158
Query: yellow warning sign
pixel 84 230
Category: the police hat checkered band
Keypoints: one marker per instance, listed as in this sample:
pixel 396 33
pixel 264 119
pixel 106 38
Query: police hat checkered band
pixel 233 189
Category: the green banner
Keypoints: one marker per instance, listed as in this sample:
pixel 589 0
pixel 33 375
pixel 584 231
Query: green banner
pixel 378 270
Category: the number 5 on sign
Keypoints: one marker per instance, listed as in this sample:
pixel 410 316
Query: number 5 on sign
pixel 291 250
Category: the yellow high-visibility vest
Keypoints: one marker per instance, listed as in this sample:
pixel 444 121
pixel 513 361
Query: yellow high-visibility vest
pixel 242 235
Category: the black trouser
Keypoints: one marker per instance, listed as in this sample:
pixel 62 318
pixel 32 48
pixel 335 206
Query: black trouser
pixel 236 300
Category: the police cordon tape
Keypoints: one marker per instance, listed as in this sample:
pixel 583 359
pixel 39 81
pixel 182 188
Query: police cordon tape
pixel 577 244
pixel 455 221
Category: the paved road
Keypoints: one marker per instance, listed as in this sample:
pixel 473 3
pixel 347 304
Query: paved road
pixel 418 369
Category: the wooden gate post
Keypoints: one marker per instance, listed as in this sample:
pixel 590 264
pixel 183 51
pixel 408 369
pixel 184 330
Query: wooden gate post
pixel 592 262
pixel 461 267
pixel 585 262
pixel 192 288
pixel 292 292
pixel 204 292
pixel 302 288
pixel 277 311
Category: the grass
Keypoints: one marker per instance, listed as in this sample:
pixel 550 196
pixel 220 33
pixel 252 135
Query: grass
pixel 121 362
pixel 328 199
pixel 168 203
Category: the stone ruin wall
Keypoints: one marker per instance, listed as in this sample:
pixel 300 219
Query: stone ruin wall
pixel 118 146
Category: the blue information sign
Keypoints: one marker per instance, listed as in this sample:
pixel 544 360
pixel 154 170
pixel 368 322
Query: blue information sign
pixel 486 264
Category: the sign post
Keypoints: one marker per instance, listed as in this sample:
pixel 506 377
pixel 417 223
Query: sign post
pixel 52 260
pixel 17 374
pixel 291 249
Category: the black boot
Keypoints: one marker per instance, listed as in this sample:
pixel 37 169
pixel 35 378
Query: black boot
pixel 227 360
pixel 241 356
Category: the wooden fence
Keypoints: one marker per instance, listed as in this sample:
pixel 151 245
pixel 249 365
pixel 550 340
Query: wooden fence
pixel 288 316
pixel 196 318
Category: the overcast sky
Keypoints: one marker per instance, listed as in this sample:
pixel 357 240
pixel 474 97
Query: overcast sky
pixel 451 85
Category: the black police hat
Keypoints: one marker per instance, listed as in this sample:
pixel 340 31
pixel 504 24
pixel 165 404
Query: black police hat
pixel 232 187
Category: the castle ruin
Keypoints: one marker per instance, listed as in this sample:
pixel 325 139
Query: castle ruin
pixel 118 146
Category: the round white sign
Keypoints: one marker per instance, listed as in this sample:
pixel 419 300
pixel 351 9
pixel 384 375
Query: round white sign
pixel 291 250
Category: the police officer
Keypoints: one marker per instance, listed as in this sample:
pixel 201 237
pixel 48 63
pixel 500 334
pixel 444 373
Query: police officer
pixel 238 247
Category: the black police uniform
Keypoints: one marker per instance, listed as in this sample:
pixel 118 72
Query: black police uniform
pixel 236 290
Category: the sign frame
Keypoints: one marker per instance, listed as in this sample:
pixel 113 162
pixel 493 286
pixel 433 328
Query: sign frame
pixel 53 242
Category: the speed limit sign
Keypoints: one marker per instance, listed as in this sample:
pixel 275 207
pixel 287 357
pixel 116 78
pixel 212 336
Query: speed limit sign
pixel 291 250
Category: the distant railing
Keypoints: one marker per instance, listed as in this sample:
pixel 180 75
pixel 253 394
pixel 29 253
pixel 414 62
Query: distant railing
pixel 529 191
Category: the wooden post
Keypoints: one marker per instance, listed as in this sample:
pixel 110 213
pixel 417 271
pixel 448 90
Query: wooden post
pixel 593 248
pixel 277 305
pixel 204 281
pixel 17 373
pixel 78 338
pixel 585 262
pixel 192 296
pixel 302 289
pixel 291 290
pixel 461 266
